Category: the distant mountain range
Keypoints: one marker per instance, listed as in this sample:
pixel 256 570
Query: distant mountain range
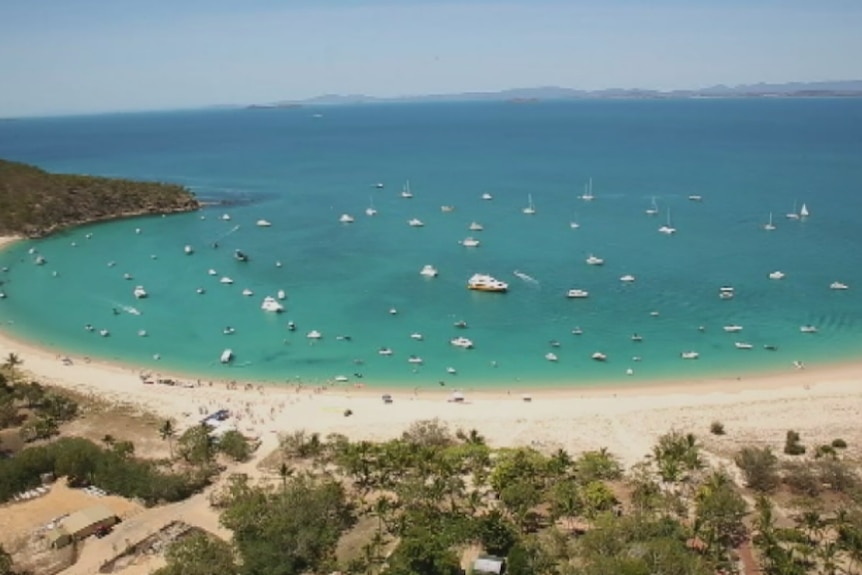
pixel 846 89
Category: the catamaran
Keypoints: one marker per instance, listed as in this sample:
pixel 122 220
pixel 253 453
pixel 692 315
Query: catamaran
pixel 405 191
pixel 588 192
pixel 530 209
pixel 667 229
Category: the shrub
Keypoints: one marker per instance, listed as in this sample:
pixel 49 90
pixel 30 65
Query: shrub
pixel 802 479
pixel 792 445
pixel 759 466
pixel 825 450
pixel 839 443
pixel 716 428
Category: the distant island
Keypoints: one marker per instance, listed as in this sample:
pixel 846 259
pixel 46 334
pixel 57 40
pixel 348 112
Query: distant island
pixel 36 203
pixel 840 89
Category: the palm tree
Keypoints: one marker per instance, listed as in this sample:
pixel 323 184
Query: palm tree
pixel 284 471
pixel 12 361
pixel 168 432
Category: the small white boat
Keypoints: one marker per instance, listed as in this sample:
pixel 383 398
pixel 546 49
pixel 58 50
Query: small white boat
pixel 226 356
pixel 808 329
pixel 405 191
pixel 104 333
pixel 137 230
pixel 588 192
pixel 188 250
pixel 461 342
pixel 599 356
pixel 743 345
pixel 111 264
pixel 212 272
pixel 127 276
pixel 429 271
pixel 271 304
pixel 278 264
pixel 89 327
pixel 476 227
pixel 654 313
pixel 726 292
pixel 370 211
pixel 667 229
pixel 550 356
pixel 776 275
pixel 393 311
pixel 415 223
pixel 417 336
pixel 225 217
pixel 379 185
pixel 414 359
pixel 577 294
pixel 838 286
pixel 346 219
pixel 769 226
pixel 794 215
pixel 447 209
pixel 653 209
pixel 637 338
pixel 240 256
pixel 142 333
pixel 139 292
pixel 263 223
pixel 201 291
pixel 628 278
pixel 247 292
pixel 695 198
pixel 40 260
pixel 803 212
pixel 384 351
pixel 340 378
pixel 228 330
pixel 577 331
pixel 487 196
pixel 226 280
pixel 690 355
pixel 451 370
pixel 314 334
pixel 595 261
pixel 574 225
pixel 530 209
pixel 470 242
pixel 281 294
pixel 733 328
pixel 2 295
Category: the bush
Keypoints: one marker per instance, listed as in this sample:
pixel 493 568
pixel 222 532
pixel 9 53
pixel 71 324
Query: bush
pixel 802 479
pixel 716 428
pixel 825 450
pixel 759 466
pixel 792 445
pixel 839 443
pixel 234 445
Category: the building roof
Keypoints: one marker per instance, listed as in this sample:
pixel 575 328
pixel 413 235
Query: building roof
pixel 80 520
pixel 488 564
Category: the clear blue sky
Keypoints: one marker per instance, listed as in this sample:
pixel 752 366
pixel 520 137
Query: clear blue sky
pixel 80 56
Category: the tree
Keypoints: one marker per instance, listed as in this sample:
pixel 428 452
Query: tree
pixel 719 511
pixel 759 466
pixel 195 445
pixel 565 499
pixel 12 361
pixel 199 554
pixel 5 562
pixel 676 453
pixel 596 497
pixel 495 533
pixel 234 445
pixel 423 553
pixel 595 465
pixel 167 432
pixel 39 428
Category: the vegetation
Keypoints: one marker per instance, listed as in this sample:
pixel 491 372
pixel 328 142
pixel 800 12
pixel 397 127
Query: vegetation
pixel 716 428
pixel 35 203
pixel 29 406
pixel 792 444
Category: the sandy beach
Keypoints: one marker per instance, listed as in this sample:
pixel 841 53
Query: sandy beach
pixel 821 402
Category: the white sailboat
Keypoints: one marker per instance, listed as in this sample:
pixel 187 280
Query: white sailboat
pixel 793 215
pixel 370 211
pixel 769 226
pixel 530 209
pixel 405 191
pixel 588 192
pixel 653 209
pixel 667 229
pixel 803 212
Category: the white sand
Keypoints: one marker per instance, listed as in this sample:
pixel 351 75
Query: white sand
pixel 821 402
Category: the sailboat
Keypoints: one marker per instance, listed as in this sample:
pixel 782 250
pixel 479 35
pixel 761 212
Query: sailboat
pixel 370 209
pixel 588 192
pixel 769 226
pixel 530 209
pixel 653 209
pixel 793 215
pixel 405 191
pixel 803 211
pixel 667 228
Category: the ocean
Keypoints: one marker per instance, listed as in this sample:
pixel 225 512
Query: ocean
pixel 302 168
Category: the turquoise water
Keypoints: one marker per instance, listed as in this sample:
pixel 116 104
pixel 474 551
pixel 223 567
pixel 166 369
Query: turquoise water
pixel 747 158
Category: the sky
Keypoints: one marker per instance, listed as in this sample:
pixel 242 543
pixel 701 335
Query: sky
pixel 89 56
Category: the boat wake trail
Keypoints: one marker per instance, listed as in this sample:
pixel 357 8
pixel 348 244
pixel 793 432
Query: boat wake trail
pixel 526 278
pixel 226 234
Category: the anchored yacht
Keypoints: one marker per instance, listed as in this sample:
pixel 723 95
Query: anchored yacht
pixel 484 282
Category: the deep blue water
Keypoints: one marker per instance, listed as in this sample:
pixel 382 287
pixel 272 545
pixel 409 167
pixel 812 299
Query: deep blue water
pixel 746 158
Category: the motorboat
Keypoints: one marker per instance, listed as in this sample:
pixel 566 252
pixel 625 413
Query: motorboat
pixel 530 210
pixel 142 333
pixel 89 327
pixel 429 271
pixel 588 196
pixel 577 331
pixel 139 292
pixel 574 225
pixel 476 227
pixel 695 198
pixel 577 294
pixel 40 260
pixel 637 338
pixel 225 217
pixel 595 261
pixel 470 242
pixel 263 223
pixel 733 328
pixel 228 330
pixel 689 355
pixel 271 304
pixel 341 378
pixel 726 292
pixel 405 191
pixel 451 370
pixel 838 286
pixel 226 280
pixel 554 343
pixel 628 278
pixel 226 356
pixel 460 324
pixel 484 282
pixel 314 334
pixel 776 275
pixel 212 272
pixel 487 196
pixel 599 356
pixel 461 342
pixel 393 311
pixel 104 333
pixel 808 329
pixel 201 291
pixel 291 326
pixel 247 292
pixel 447 209
pixel 240 256
pixel 550 356
pixel 417 336
pixel 127 276
pixel 379 185
pixel 281 294
pixel 414 359
pixel 384 351
pixel 743 345
pixel 346 219
pixel 111 264
pixel 2 295
pixel 415 223
pixel 278 264
pixel 770 347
